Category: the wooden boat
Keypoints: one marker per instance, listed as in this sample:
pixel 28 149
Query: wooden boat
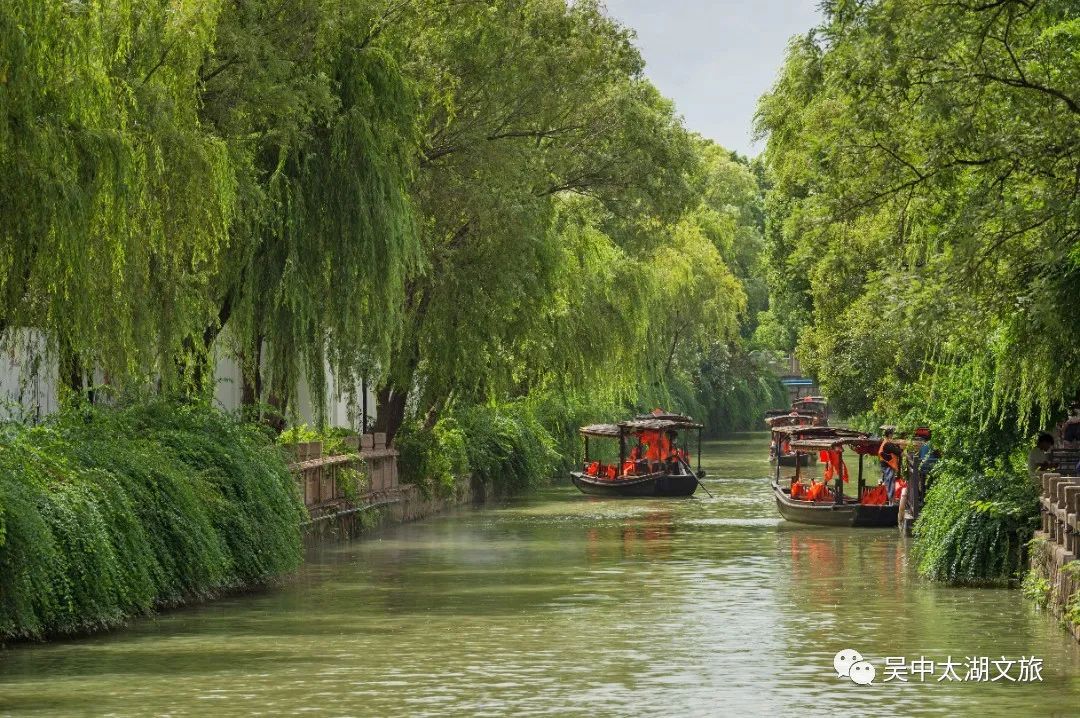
pixel 658 484
pixel 650 460
pixel 778 450
pixel 838 509
pixel 816 406
pixel 826 513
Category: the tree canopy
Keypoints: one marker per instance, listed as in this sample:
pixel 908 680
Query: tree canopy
pixel 924 204
pixel 456 201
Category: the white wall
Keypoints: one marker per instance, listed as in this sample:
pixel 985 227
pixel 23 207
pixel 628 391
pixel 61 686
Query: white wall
pixel 34 394
pixel 228 390
pixel 24 391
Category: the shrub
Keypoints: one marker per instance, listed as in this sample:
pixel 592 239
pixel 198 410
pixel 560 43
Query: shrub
pixel 434 459
pixel 508 449
pixel 982 508
pixel 108 513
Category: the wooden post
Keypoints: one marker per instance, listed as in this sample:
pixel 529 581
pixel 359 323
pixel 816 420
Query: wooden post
pixel 840 476
pixel 914 491
pixel 862 481
pixel 699 449
pixel 798 465
pixel 586 459
pixel 622 450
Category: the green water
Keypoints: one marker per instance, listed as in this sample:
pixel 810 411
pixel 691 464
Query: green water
pixel 562 605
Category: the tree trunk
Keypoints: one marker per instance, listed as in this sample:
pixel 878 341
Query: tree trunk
pixel 71 370
pixel 251 391
pixel 390 410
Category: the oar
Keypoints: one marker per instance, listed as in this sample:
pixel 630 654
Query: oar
pixel 688 468
pixel 703 487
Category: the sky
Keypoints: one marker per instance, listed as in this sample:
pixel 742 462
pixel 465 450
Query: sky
pixel 714 59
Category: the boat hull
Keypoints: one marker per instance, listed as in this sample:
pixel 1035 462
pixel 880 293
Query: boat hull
pixel 644 486
pixel 831 514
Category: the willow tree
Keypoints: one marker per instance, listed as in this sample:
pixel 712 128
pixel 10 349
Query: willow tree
pixel 534 112
pixel 926 195
pixel 117 201
pixel 323 126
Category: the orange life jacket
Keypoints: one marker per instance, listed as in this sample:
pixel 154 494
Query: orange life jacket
pixel 610 471
pixel 875 496
pixel 898 486
pixel 628 468
pixel 834 466
pixel 893 461
pixel 797 490
pixel 818 492
pixel 593 469
pixel 654 445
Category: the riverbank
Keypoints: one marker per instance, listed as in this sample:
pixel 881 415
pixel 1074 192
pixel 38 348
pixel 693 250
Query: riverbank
pixel 111 513
pixel 403 504
pixel 108 514
pixel 1053 578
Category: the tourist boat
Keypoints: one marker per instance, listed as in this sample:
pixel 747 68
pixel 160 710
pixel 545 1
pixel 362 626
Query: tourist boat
pixel 779 451
pixel 833 508
pixel 651 461
pixel 816 406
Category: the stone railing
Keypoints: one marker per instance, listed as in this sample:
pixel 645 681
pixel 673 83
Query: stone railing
pixel 1059 540
pixel 1060 505
pixel 365 475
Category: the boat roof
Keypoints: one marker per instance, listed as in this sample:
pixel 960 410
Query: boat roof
pixel 655 421
pixel 600 430
pixel 859 444
pixel 676 422
pixel 787 419
pixel 820 432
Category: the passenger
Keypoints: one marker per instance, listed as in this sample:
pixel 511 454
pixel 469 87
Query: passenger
pixel 630 465
pixel 928 457
pixel 1070 429
pixel 672 457
pixel 1038 459
pixel 889 455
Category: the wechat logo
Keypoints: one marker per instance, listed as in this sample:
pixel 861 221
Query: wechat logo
pixel 850 664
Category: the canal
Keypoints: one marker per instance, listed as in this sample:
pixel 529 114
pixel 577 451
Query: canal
pixel 561 605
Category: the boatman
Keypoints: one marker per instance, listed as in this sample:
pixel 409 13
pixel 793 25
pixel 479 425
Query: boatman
pixel 889 456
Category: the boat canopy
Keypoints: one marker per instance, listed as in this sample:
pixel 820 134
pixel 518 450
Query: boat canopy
pixel 671 421
pixel 820 432
pixel 859 444
pixel 656 421
pixel 600 430
pixel 788 419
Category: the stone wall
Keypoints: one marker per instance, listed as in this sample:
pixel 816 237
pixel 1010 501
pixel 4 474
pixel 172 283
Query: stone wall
pixel 1056 546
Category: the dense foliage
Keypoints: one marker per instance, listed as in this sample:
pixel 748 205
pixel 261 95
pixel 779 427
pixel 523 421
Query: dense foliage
pixel 503 446
pixel 110 513
pixel 460 202
pixel 923 240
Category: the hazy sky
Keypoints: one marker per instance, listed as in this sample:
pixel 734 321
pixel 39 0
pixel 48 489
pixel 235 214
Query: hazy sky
pixel 714 59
